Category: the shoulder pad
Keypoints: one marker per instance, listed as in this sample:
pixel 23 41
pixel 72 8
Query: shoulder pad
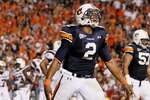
pixel 101 27
pixel 70 25
pixel 129 49
pixel 66 32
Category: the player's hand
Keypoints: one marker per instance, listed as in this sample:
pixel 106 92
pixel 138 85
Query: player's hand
pixel 129 91
pixel 48 92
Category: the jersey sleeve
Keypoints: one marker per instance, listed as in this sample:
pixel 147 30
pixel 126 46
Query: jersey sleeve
pixel 65 33
pixel 66 43
pixel 128 49
pixel 104 50
pixel 105 54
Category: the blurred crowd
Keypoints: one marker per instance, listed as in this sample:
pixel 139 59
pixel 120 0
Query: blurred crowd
pixel 29 27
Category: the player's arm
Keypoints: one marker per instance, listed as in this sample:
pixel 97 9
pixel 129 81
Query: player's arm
pixel 127 58
pixel 43 66
pixel 148 72
pixel 9 84
pixel 111 65
pixel 27 73
pixel 35 83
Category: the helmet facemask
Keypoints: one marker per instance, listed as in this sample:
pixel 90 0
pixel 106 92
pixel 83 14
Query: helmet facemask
pixel 92 16
pixel 17 66
pixel 144 43
pixel 2 68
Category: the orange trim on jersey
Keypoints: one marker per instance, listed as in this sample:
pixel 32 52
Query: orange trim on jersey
pixel 67 36
pixel 130 49
pixel 106 38
pixel 57 60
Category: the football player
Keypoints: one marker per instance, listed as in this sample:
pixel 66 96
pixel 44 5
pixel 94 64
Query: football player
pixel 5 85
pixel 80 45
pixel 47 57
pixel 136 61
pixel 39 79
pixel 21 84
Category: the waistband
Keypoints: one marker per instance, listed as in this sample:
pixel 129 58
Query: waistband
pixel 78 75
pixel 140 81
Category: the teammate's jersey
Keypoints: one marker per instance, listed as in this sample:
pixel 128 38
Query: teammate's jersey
pixel 140 61
pixel 49 55
pixel 36 65
pixel 4 77
pixel 80 49
pixel 19 78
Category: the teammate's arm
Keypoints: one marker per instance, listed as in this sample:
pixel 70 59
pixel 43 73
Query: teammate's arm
pixel 148 72
pixel 35 83
pixel 127 58
pixel 9 85
pixel 28 77
pixel 43 66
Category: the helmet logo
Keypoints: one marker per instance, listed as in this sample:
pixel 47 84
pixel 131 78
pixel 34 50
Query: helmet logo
pixel 79 11
pixel 136 34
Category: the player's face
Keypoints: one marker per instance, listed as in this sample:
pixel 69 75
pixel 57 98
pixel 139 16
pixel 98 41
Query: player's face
pixel 1 69
pixel 145 42
pixel 17 65
pixel 93 15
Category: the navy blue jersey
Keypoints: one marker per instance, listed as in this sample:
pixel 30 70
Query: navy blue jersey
pixel 78 50
pixel 140 61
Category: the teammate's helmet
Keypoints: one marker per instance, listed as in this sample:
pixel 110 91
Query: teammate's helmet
pixel 48 54
pixel 2 66
pixel 19 64
pixel 56 45
pixel 139 36
pixel 88 14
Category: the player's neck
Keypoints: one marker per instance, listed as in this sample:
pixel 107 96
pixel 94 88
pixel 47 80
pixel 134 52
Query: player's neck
pixel 87 29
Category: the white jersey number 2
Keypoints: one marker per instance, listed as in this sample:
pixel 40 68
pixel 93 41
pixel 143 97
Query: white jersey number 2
pixel 88 54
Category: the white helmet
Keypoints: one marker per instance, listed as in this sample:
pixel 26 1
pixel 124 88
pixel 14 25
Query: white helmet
pixel 2 66
pixel 138 35
pixel 20 63
pixel 56 45
pixel 84 13
pixel 48 54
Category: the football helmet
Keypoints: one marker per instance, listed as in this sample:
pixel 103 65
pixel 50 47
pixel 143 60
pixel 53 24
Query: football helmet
pixel 19 64
pixel 48 54
pixel 56 45
pixel 141 38
pixel 88 14
pixel 2 66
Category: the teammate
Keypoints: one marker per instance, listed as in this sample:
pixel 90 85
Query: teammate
pixel 79 47
pixel 5 85
pixel 136 61
pixel 21 84
pixel 48 56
